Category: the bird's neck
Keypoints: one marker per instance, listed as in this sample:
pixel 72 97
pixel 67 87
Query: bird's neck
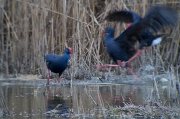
pixel 66 56
pixel 108 38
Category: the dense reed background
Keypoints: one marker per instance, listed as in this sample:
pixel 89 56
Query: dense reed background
pixel 29 29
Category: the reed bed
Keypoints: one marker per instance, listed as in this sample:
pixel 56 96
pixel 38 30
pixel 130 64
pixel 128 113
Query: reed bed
pixel 29 29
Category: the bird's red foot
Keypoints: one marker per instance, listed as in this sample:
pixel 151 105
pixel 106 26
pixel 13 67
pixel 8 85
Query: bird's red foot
pixel 127 64
pixel 48 76
pixel 131 71
pixel 58 80
pixel 123 64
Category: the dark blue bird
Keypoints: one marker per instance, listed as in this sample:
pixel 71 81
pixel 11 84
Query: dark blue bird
pixel 142 29
pixel 147 38
pixel 122 49
pixel 58 63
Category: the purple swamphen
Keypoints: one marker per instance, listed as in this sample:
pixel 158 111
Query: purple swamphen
pixel 57 63
pixel 122 49
pixel 156 18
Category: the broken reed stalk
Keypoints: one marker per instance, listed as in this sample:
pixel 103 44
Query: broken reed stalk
pixel 32 29
pixel 155 86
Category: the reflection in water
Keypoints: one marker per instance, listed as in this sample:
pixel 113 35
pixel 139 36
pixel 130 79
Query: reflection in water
pixel 30 101
pixel 56 106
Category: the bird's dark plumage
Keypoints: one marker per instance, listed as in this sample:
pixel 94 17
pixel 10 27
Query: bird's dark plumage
pixel 141 29
pixel 119 48
pixel 124 16
pixel 156 18
pixel 58 63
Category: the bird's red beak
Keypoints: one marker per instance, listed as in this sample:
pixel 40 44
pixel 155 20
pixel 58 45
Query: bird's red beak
pixel 128 25
pixel 70 50
pixel 104 32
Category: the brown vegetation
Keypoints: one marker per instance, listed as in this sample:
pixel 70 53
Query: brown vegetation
pixel 29 29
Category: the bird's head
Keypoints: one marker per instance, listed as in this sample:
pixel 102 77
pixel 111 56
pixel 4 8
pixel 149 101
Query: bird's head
pixel 68 50
pixel 108 30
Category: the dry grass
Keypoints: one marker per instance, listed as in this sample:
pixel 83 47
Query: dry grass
pixel 31 28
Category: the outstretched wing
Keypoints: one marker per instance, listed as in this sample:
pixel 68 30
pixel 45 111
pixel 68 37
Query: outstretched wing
pixel 155 19
pixel 159 16
pixel 126 42
pixel 123 16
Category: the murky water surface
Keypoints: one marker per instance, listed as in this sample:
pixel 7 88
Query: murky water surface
pixel 37 101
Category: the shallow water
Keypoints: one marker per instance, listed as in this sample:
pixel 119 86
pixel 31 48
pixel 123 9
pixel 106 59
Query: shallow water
pixel 37 101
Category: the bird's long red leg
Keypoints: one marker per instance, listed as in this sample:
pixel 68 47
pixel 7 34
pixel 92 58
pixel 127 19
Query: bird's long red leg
pixel 135 55
pixel 48 76
pixel 119 63
pixel 128 68
pixel 131 71
pixel 58 80
pixel 105 66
